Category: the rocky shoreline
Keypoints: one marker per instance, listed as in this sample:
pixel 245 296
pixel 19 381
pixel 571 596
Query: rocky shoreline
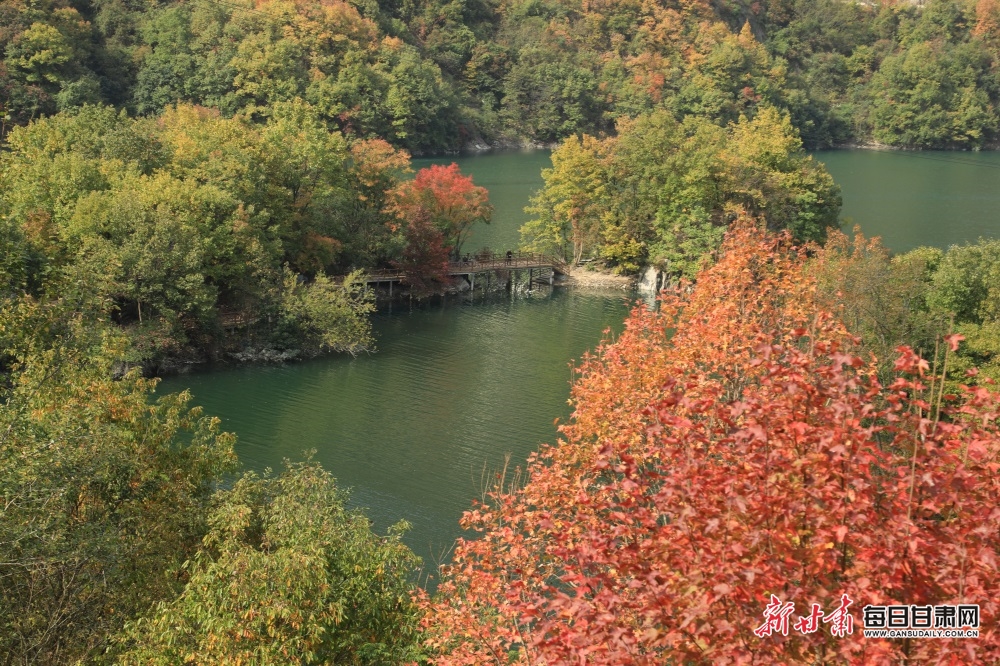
pixel 481 146
pixel 477 147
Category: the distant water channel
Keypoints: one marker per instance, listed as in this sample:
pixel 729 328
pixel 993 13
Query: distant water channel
pixel 456 387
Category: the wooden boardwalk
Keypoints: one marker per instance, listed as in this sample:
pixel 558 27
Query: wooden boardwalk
pixel 519 261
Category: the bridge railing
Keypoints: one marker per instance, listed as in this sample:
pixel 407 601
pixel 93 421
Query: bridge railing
pixel 494 261
pixel 477 263
pixel 383 273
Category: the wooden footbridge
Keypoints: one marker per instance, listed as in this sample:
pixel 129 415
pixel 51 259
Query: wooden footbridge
pixel 541 268
pixel 487 264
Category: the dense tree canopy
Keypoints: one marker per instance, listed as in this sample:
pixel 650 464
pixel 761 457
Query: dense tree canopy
pixel 904 74
pixel 104 488
pixel 118 543
pixel 287 576
pixel 179 181
pixel 915 297
pixel 195 221
pixel 432 75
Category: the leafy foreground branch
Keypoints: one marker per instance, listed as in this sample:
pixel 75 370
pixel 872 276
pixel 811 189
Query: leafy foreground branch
pixel 730 446
pixel 103 494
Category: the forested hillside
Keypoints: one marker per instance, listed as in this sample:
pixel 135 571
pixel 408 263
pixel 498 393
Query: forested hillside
pixel 266 143
pixel 435 75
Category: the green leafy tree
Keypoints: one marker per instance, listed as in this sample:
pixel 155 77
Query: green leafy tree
pixel 170 242
pixel 419 101
pixel 327 313
pixel 736 75
pixel 936 95
pixel 965 282
pixel 665 191
pixel 356 96
pixel 548 96
pixel 305 166
pixel 41 54
pixel 15 257
pixel 756 165
pixel 269 68
pixel 193 216
pixel 105 490
pixel 169 69
pixel 882 298
pixel 369 230
pixel 54 162
pixel 691 213
pixel 770 175
pixel 287 575
pixel 828 47
pixel 568 211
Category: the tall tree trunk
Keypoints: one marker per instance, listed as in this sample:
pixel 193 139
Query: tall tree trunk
pixel 577 242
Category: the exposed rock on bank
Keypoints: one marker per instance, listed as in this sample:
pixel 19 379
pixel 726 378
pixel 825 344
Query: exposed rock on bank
pixel 593 279
pixel 651 281
pixel 266 355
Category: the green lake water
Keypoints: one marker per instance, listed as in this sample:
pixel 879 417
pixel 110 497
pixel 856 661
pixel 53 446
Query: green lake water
pixel 919 198
pixel 415 428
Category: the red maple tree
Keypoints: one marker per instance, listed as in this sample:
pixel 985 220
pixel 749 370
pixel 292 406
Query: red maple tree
pixel 731 446
pixel 447 199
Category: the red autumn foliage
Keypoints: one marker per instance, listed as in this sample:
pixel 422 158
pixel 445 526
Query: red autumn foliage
pixel 445 197
pixel 728 447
